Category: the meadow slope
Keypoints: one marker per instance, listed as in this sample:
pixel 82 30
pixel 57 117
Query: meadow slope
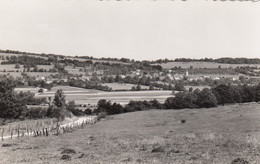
pixel 215 135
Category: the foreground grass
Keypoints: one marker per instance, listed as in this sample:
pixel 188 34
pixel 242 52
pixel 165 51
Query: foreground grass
pixel 216 135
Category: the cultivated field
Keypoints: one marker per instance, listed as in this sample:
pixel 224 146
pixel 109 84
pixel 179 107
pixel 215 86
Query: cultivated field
pixel 47 67
pixel 91 97
pixel 204 65
pixel 124 86
pixel 10 67
pixel 68 89
pixel 216 135
pixel 14 74
pixel 27 89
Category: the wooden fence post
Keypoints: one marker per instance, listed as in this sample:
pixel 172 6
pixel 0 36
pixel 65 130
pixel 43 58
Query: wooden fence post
pixel 12 133
pixel 18 133
pixel 58 126
pixel 46 132
pixel 2 134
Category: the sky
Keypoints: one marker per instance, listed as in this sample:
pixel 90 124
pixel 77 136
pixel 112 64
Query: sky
pixel 135 29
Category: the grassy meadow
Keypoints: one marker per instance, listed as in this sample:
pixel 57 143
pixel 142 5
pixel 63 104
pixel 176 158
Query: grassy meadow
pixel 216 135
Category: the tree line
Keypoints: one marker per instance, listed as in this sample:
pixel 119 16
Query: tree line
pixel 225 60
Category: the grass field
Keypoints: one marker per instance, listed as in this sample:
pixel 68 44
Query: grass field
pixel 203 65
pixel 216 135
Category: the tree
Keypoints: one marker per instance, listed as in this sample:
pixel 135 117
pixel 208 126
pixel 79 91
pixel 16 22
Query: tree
pixel 176 102
pixel 207 99
pixel 190 100
pixel 179 86
pixel 138 87
pixel 11 106
pixel 248 93
pixel 257 94
pixel 133 88
pixel 151 87
pixel 56 112
pixel 59 98
pixel 227 94
pixel 40 90
pixel 58 109
pixel 17 66
pixel 71 106
pixel 88 111
pixel 103 105
pixel 116 108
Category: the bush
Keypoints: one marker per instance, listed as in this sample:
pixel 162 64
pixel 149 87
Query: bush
pixel 34 113
pixel 77 112
pixel 106 106
pixel 88 111
pixel 176 102
pixel 56 112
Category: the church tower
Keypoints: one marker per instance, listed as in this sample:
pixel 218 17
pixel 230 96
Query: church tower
pixel 187 72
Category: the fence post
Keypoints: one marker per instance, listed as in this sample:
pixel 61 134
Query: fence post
pixel 58 126
pixel 2 134
pixel 46 132
pixel 11 133
pixel 18 133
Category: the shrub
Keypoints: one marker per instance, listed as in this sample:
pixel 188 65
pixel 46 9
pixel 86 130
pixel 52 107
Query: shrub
pixel 34 113
pixel 179 86
pixel 56 112
pixel 77 112
pixel 88 111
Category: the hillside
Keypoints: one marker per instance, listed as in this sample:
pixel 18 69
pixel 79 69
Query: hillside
pixel 216 135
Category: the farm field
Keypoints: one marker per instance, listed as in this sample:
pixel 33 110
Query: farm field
pixel 65 89
pixel 197 87
pixel 27 89
pixel 124 86
pixel 10 67
pixel 14 74
pixel 203 65
pixel 91 97
pixel 12 54
pixel 215 135
pixel 68 89
pixel 32 74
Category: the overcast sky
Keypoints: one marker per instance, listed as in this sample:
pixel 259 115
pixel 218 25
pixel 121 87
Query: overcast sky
pixel 132 29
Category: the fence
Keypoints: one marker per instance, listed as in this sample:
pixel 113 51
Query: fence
pixel 43 129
